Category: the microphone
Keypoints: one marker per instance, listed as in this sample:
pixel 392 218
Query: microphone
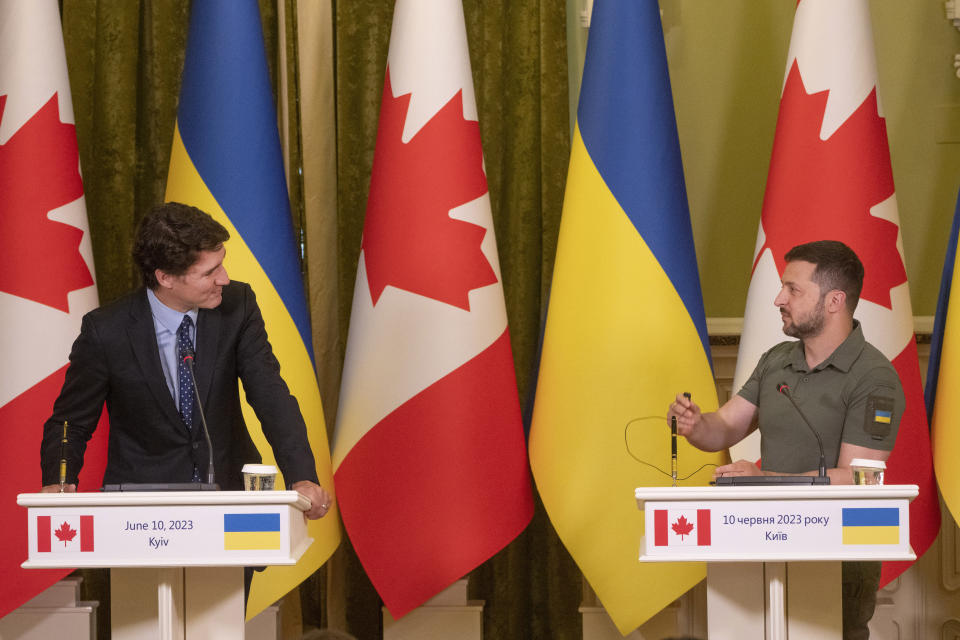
pixel 673 449
pixel 63 459
pixel 673 444
pixel 822 478
pixel 188 360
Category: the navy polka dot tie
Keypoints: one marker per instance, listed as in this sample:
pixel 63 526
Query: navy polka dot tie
pixel 185 346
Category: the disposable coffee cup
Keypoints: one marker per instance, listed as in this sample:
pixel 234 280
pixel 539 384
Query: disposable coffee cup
pixel 259 477
pixel 867 471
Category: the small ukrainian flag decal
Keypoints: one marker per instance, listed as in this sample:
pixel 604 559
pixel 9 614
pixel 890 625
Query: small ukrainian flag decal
pixel 247 531
pixel 882 416
pixel 871 525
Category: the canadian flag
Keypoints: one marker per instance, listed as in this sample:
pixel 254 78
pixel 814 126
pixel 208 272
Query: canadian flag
pixel 830 178
pixel 429 454
pixel 70 533
pixel 681 527
pixel 46 268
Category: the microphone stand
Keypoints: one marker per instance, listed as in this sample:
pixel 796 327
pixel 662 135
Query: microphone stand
pixel 209 485
pixel 188 359
pixel 822 477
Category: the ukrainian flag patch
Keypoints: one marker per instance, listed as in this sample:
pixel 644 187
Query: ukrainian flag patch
pixel 878 420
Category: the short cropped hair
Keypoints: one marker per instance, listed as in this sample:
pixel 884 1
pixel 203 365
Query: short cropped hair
pixel 171 236
pixel 837 267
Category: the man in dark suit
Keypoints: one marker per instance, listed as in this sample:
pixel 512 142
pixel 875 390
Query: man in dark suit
pixel 129 355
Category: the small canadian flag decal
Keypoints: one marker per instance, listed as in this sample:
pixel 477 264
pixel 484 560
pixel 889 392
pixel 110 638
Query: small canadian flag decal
pixel 64 533
pixel 681 527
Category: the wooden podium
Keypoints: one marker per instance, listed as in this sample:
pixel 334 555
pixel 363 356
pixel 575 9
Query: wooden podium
pixel 176 559
pixel 774 551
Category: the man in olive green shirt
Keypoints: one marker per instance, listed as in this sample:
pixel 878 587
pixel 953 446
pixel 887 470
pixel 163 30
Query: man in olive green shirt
pixel 845 387
pixel 853 397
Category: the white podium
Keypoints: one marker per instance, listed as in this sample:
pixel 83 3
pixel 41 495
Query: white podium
pixel 774 551
pixel 176 558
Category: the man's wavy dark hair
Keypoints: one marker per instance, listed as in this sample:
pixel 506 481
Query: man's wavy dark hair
pixel 838 267
pixel 171 236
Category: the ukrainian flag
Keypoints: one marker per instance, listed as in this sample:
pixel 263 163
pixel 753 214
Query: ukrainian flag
pixel 871 525
pixel 248 531
pixel 943 373
pixel 625 327
pixel 226 161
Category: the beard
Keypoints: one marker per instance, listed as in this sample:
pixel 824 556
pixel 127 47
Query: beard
pixel 809 325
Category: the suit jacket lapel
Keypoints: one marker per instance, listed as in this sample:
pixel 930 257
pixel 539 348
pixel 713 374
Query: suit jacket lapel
pixel 143 341
pixel 208 337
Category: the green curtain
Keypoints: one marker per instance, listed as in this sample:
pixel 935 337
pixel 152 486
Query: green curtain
pixel 125 59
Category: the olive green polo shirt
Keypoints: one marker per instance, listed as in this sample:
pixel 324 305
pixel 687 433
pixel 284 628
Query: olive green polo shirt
pixel 853 396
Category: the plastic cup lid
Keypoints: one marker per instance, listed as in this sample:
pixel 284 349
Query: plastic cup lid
pixel 868 464
pixel 262 469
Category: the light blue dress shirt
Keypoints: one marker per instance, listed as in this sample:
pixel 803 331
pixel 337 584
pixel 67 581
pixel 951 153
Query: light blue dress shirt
pixel 166 321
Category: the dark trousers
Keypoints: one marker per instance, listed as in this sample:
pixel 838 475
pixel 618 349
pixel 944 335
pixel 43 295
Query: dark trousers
pixel 859 589
pixel 247 579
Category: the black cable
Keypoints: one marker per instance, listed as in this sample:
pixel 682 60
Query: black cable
pixel 626 443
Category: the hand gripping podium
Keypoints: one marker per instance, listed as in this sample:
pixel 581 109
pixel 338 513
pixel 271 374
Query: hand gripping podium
pixel 774 552
pixel 176 559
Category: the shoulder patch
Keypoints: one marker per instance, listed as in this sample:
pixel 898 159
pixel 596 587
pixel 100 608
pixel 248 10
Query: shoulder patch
pixel 879 416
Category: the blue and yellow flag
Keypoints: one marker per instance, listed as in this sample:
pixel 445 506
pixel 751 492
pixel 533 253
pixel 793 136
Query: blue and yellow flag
pixel 625 327
pixel 943 379
pixel 226 160
pixel 870 525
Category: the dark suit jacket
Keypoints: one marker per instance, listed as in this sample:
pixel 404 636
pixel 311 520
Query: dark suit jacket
pixel 116 360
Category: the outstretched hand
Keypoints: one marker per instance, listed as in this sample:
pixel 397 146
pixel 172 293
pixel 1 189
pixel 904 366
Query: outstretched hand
pixel 686 412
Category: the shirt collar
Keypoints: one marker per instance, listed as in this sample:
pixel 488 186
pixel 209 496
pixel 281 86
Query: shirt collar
pixel 842 357
pixel 168 318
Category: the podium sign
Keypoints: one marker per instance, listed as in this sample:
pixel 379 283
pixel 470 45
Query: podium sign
pixel 788 523
pixel 773 551
pixel 164 529
pixel 176 558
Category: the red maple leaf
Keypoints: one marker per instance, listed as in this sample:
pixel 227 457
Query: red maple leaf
pixel 65 533
pixel 409 239
pixel 823 189
pixel 39 171
pixel 681 527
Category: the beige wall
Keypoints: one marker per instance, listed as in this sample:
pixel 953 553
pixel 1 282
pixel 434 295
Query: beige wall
pixel 727 60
